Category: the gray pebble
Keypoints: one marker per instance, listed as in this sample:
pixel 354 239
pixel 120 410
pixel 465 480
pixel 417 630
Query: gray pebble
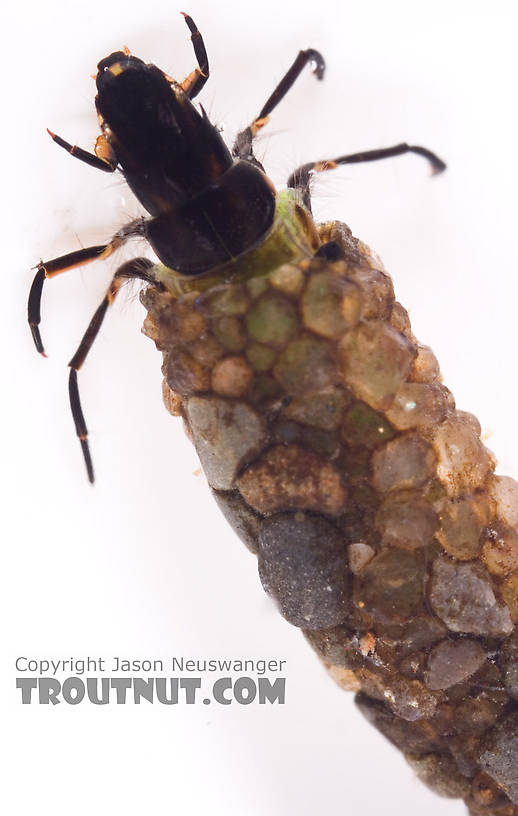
pixel 303 564
pixel 500 755
pixel 225 433
pixel 462 596
pixel 453 661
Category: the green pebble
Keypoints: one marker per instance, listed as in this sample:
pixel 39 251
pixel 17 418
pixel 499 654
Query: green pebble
pixel 257 287
pixel 323 409
pixel 263 389
pixel 230 333
pixel 306 365
pixel 225 300
pixel 330 305
pixel 272 319
pixel 363 426
pixel 325 443
pixel 260 357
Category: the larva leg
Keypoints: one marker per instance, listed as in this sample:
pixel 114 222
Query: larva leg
pixel 300 177
pixel 136 268
pixel 193 84
pixel 242 148
pixel 103 158
pixel 48 269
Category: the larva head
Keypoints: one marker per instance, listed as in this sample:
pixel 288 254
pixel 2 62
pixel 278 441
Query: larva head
pixel 168 150
pixel 180 169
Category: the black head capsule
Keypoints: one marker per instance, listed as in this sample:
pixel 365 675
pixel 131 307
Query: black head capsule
pixel 207 208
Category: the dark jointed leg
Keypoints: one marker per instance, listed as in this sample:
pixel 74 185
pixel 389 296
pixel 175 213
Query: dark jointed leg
pixel 102 159
pixel 193 84
pixel 299 179
pixel 137 268
pixel 242 148
pixel 48 269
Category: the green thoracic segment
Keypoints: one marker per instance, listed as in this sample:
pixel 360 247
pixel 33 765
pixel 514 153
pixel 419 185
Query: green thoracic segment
pixel 338 455
pixel 291 238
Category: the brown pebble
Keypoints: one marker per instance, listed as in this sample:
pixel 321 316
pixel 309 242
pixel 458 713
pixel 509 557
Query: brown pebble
pixel 185 375
pixel 463 461
pixel 425 368
pixel 500 551
pixel 287 477
pixel 461 523
pixel 231 377
pixel 376 359
pixel 172 401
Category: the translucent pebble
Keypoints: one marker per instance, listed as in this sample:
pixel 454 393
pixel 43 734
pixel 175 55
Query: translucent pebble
pixel 264 390
pixel 367 254
pixel 471 420
pixel 227 299
pixel 364 426
pixel 453 661
pixel 231 377
pixel 172 401
pixel 184 323
pixel 288 477
pixel 461 524
pixel 420 632
pixel 256 287
pixel 425 368
pixel 504 491
pixel 410 737
pixel 321 441
pixel 303 564
pixel 351 247
pixel 321 409
pixel 272 320
pixel 359 555
pixel 477 714
pixel 509 593
pixel 174 321
pixel 418 405
pixel 408 699
pixel 224 434
pixel 184 375
pixel 390 587
pixel 500 551
pixel 399 318
pixel 345 678
pixel 441 774
pixel 406 519
pixel 463 461
pixel 406 462
pixel 461 594
pixel 509 664
pixel 306 365
pixel 377 291
pixel 336 645
pixel 499 756
pixel 206 350
pixel 376 359
pixel 331 304
pixel 287 279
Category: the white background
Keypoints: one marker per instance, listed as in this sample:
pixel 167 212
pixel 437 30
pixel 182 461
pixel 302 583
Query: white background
pixel 142 565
